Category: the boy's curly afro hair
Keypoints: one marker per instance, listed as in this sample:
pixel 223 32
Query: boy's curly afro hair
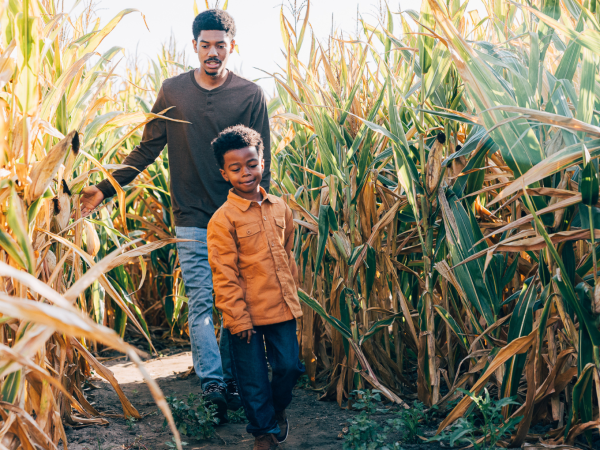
pixel 214 19
pixel 234 138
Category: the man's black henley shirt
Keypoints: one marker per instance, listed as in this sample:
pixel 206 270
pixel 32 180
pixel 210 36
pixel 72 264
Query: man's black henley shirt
pixel 197 187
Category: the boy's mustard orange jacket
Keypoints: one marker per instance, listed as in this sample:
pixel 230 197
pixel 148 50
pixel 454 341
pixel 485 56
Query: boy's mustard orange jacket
pixel 250 253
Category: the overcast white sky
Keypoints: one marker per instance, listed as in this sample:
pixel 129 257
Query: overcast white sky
pixel 257 21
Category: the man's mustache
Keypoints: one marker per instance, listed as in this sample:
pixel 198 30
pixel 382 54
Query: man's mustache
pixel 212 60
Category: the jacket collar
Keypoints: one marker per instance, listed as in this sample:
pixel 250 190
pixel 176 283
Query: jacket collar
pixel 243 203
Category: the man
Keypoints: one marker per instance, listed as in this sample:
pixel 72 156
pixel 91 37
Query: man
pixel 211 98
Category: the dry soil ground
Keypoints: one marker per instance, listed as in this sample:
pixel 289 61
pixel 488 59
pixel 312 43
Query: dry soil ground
pixel 314 424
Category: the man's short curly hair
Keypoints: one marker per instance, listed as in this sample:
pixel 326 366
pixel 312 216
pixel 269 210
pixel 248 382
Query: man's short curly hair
pixel 214 19
pixel 234 138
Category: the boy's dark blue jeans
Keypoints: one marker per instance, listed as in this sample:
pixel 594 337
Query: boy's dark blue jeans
pixel 261 398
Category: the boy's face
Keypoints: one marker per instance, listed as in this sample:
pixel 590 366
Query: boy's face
pixel 243 168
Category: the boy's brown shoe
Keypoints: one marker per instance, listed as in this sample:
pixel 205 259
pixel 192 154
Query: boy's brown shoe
pixel 282 421
pixel 266 442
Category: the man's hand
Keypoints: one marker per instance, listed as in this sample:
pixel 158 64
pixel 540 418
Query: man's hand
pixel 246 334
pixel 90 198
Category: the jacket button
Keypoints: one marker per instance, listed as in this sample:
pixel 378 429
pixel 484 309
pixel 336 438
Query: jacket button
pixel 272 244
pixel 248 231
pixel 265 217
pixel 278 269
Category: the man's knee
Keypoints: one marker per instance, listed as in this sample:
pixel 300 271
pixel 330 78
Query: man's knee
pixel 200 301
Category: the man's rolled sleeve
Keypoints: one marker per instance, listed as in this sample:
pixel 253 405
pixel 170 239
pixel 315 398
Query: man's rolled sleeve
pixel 153 143
pixel 223 259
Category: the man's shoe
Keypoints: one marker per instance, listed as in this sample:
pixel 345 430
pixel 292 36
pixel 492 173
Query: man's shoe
pixel 284 426
pixel 215 394
pixel 265 442
pixel 234 402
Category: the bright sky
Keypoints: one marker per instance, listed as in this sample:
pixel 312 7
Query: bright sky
pixel 258 31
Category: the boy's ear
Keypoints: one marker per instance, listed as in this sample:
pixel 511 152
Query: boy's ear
pixel 262 165
pixel 194 45
pixel 224 175
pixel 232 48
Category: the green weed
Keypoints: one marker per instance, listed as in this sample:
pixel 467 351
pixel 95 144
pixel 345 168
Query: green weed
pixel 487 427
pixel 173 445
pixel 131 422
pixel 238 416
pixel 409 422
pixel 365 433
pixel 193 417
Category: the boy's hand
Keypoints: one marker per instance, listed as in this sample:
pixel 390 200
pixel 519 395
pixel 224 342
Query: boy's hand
pixel 246 334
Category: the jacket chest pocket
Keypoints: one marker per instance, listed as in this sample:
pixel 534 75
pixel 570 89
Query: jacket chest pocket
pixel 280 229
pixel 251 238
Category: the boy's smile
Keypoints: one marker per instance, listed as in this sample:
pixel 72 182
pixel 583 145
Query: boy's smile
pixel 243 168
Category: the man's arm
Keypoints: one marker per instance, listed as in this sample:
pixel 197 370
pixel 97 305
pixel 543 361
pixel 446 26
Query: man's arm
pixel 260 123
pixel 153 142
pixel 229 295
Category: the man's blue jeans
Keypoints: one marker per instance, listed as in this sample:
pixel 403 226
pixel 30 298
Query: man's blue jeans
pixel 211 365
pixel 261 398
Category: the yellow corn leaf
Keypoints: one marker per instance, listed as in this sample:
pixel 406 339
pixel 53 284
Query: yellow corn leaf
pixel 34 284
pixel 294 118
pixel 108 287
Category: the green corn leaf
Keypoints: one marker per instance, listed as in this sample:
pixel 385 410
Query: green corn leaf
pixel 12 248
pixel 564 284
pixel 521 324
pixel 377 326
pixel 17 217
pixel 589 185
pixel 316 306
pixel 462 340
pixel 461 237
pixel 323 236
pixel 568 63
pixel 587 84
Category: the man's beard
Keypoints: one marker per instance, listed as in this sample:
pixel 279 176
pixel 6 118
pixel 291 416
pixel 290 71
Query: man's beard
pixel 215 74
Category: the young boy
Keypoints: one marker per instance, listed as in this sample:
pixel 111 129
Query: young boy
pixel 250 240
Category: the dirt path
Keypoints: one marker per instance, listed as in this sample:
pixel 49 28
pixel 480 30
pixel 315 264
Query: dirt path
pixel 314 424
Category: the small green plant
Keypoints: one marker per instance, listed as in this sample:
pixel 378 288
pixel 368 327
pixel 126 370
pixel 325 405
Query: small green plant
pixel 137 444
pixel 367 400
pixel 365 433
pixel 303 382
pixel 173 445
pixel 238 416
pixel 193 417
pixel 131 422
pixel 409 422
pixel 489 428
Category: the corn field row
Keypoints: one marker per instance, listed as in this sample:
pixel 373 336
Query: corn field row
pixel 443 178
